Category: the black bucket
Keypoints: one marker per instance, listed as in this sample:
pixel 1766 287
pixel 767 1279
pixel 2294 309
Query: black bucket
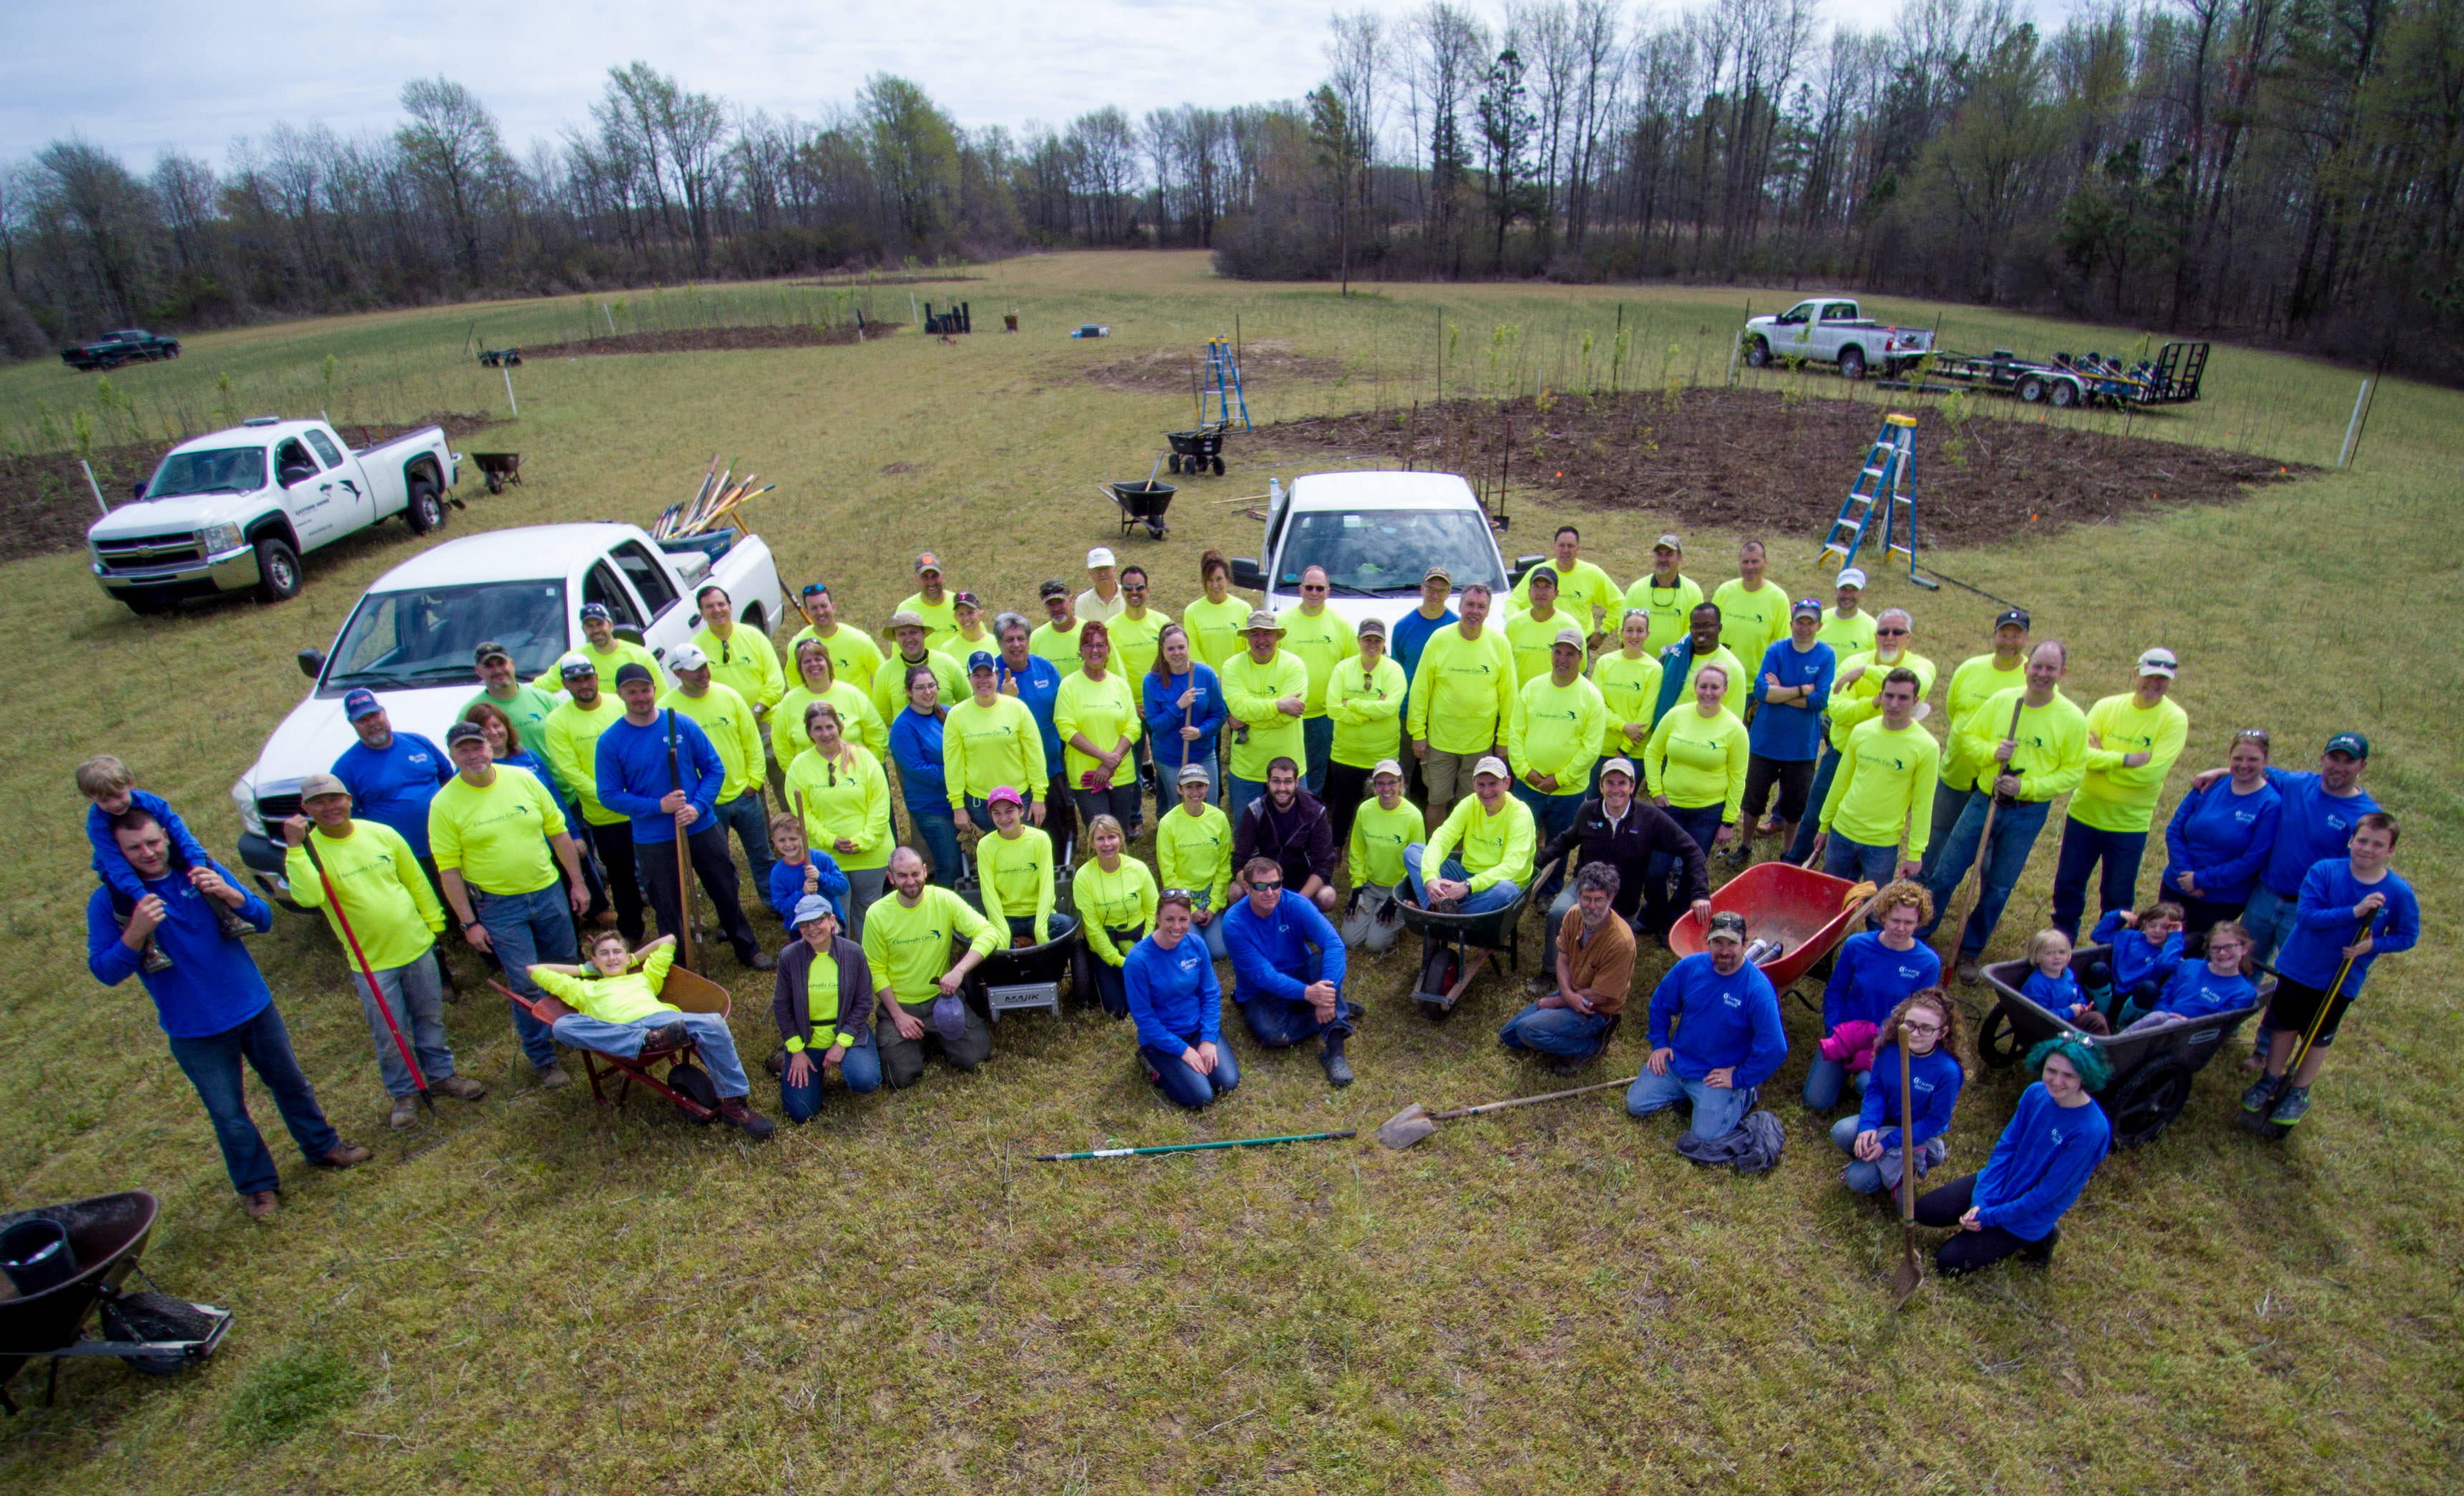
pixel 36 1256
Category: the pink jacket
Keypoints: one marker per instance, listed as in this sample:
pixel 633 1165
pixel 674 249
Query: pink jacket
pixel 1852 1043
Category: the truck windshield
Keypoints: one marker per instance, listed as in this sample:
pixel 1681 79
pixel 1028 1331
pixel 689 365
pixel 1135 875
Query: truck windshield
pixel 225 470
pixel 400 640
pixel 1380 551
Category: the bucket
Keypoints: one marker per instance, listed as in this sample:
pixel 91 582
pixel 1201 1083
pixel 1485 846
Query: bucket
pixel 36 1256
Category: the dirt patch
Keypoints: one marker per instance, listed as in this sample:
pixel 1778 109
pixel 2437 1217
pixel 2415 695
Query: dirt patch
pixel 1750 459
pixel 45 505
pixel 902 278
pixel 702 340
pixel 1168 370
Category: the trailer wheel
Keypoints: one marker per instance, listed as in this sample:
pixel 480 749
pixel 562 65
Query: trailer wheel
pixel 1851 363
pixel 2031 390
pixel 1758 354
pixel 1219 466
pixel 2065 393
pixel 425 512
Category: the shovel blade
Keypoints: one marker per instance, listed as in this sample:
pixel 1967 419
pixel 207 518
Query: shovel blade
pixel 1406 1126
pixel 1906 1278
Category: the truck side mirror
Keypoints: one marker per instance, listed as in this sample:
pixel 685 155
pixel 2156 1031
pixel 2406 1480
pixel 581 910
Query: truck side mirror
pixel 312 663
pixel 1523 565
pixel 1247 573
pixel 628 633
pixel 137 490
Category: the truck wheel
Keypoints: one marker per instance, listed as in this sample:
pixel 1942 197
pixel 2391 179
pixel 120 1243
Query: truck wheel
pixel 1758 354
pixel 1851 363
pixel 277 570
pixel 426 511
pixel 2064 394
pixel 2031 390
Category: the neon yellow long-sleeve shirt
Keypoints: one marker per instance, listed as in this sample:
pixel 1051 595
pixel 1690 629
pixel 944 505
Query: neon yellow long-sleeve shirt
pixel 1697 760
pixel 1194 853
pixel 849 799
pixel 985 747
pixel 1462 694
pixel 392 908
pixel 1884 783
pixel 1976 678
pixel 1250 691
pixel 1846 636
pixel 571 740
pixel 1494 845
pixel 1104 710
pixel 1215 627
pixel 1367 706
pixel 889 682
pixel 1750 622
pixel 2113 797
pixel 1592 595
pixel 1860 699
pixel 626 998
pixel 853 655
pixel 1121 899
pixel 745 660
pixel 940 619
pixel 1669 607
pixel 1016 872
pixel 858 719
pixel 1322 642
pixel 1534 641
pixel 727 721
pixel 1630 688
pixel 1378 837
pixel 909 948
pixel 2052 752
pixel 1557 730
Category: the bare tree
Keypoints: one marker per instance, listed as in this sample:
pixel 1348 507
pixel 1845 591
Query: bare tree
pixel 451 145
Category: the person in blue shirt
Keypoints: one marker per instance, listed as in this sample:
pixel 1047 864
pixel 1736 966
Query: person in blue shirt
pixel 2221 836
pixel 2013 1206
pixel 1183 705
pixel 1179 1008
pixel 1877 1139
pixel 1873 974
pixel 392 776
pixel 1036 682
pixel 797 871
pixel 2145 951
pixel 2202 989
pixel 212 1003
pixel 1408 635
pixel 1791 692
pixel 916 742
pixel 2051 984
pixel 1287 968
pixel 1715 1035
pixel 108 783
pixel 632 767
pixel 2353 911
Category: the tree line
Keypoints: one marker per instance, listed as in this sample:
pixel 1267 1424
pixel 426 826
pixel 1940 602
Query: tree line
pixel 2281 169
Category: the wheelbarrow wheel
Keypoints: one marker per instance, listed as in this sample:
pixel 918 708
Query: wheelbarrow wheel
pixel 155 1316
pixel 1219 466
pixel 2147 1101
pixel 1438 974
pixel 1997 1039
pixel 1172 463
pixel 694 1083
pixel 496 482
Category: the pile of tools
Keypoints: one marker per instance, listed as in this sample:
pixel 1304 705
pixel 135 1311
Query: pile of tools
pixel 710 506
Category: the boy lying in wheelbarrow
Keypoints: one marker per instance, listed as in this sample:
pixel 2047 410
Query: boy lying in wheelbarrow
pixel 617 1011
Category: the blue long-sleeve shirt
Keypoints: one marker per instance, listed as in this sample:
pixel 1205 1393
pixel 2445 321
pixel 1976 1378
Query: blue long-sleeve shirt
pixel 111 866
pixel 1173 994
pixel 1410 634
pixel 1934 1079
pixel 393 785
pixel 1163 716
pixel 1038 685
pixel 2222 840
pixel 1793 734
pixel 1868 979
pixel 2056 995
pixel 212 985
pixel 632 772
pixel 2135 957
pixel 1720 1022
pixel 2313 826
pixel 2323 925
pixel 1271 953
pixel 2040 1164
pixel 787 887
pixel 2197 992
pixel 916 742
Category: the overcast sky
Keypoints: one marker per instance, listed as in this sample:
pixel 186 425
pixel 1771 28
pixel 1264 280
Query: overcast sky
pixel 142 76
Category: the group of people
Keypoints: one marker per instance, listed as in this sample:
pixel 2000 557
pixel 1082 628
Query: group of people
pixel 1611 743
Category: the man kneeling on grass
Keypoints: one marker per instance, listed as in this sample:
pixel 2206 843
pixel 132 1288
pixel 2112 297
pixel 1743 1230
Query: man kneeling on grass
pixel 922 993
pixel 1594 964
pixel 1287 965
pixel 617 1011
pixel 1727 1037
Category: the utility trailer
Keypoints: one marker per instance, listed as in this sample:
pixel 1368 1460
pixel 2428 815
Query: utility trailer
pixel 2171 378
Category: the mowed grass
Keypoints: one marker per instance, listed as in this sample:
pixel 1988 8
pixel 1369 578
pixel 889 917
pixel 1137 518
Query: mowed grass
pixel 1547 1300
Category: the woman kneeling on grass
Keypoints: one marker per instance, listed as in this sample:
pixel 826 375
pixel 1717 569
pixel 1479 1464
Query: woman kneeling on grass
pixel 617 1011
pixel 2015 1205
pixel 823 1004
pixel 1117 897
pixel 1877 1138
pixel 1178 1006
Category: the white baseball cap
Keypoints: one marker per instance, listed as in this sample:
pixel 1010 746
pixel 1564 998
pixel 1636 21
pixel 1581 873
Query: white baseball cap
pixel 1851 577
pixel 2159 661
pixel 687 657
pixel 1387 766
pixel 1100 556
pixel 1491 764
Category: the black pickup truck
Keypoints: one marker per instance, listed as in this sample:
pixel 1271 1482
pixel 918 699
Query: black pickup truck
pixel 113 349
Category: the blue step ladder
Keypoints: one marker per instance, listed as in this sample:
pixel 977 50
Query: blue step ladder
pixel 1884 493
pixel 1224 387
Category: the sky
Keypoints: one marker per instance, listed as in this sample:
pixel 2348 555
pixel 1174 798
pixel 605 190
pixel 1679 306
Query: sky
pixel 142 76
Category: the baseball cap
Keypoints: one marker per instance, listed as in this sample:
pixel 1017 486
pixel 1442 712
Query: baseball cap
pixel 2353 743
pixel 316 784
pixel 1387 766
pixel 1668 542
pixel 573 667
pixel 1547 574
pixel 1100 556
pixel 1052 587
pixel 361 703
pixel 1619 765
pixel 1572 636
pixel 463 733
pixel 1851 577
pixel 490 650
pixel 982 660
pixel 1727 925
pixel 908 617
pixel 962 598
pixel 1439 571
pixel 1003 795
pixel 1372 626
pixel 632 670
pixel 1491 764
pixel 2159 661
pixel 687 657
pixel 599 611
pixel 2009 616
pixel 926 560
pixel 1261 618
pixel 1195 771
pixel 1810 606
pixel 811 907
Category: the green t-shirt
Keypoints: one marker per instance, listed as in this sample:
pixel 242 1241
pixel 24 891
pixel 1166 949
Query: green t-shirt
pixel 392 908
pixel 1378 837
pixel 1194 853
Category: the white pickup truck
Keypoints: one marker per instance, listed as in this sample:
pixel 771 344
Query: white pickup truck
pixel 412 636
pixel 1833 330
pixel 238 508
pixel 1376 534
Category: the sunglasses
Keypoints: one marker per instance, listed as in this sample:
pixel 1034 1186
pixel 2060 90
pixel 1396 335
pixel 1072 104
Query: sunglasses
pixel 1265 887
pixel 1890 633
pixel 2252 734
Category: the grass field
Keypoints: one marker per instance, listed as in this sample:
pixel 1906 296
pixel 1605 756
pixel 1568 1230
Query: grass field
pixel 1551 1300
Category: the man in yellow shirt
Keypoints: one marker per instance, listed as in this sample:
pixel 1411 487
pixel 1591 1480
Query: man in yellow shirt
pixel 1855 694
pixel 1533 635
pixel 1977 678
pixel 853 656
pixel 1265 692
pixel 1848 629
pixel 1754 609
pixel 570 744
pixel 1323 640
pixel 931 602
pixel 1056 638
pixel 1582 588
pixel 1559 722
pixel 1494 831
pixel 738 657
pixel 1136 626
pixel 1668 596
pixel 1875 822
pixel 907 940
pixel 2132 741
pixel 606 652
pixel 908 632
pixel 1463 700
pixel 729 724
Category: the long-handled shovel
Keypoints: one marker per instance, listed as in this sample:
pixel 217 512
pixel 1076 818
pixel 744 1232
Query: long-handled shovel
pixel 1192 1147
pixel 686 910
pixel 1975 875
pixel 1909 1276
pixel 1415 1122
pixel 334 902
pixel 2260 1120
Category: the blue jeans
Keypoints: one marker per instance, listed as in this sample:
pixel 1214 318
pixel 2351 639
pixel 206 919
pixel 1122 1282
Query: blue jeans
pixel 1701 823
pixel 859 1070
pixel 1717 1113
pixel 416 995
pixel 2015 836
pixel 938 831
pixel 1278 1022
pixel 526 929
pixel 1824 771
pixel 1238 792
pixel 1842 858
pixel 212 1066
pixel 1317 743
pixel 1824 1081
pixel 1497 895
pixel 1947 802
pixel 2269 919
pixel 625 1041
pixel 2084 848
pixel 1551 815
pixel 749 818
pixel 1561 1031
pixel 1212 933
pixel 1184 1087
pixel 1867 1179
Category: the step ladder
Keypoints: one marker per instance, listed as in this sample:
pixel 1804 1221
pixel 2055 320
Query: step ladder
pixel 1885 493
pixel 1224 387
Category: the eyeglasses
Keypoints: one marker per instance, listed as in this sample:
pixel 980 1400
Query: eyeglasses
pixel 1921 1028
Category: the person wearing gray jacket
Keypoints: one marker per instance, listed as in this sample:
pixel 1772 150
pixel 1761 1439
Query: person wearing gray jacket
pixel 823 1004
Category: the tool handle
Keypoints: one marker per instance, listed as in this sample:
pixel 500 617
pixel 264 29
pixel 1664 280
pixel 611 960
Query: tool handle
pixel 1526 1101
pixel 334 902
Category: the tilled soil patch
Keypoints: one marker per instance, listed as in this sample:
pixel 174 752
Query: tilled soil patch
pixel 45 505
pixel 703 340
pixel 1169 370
pixel 1750 459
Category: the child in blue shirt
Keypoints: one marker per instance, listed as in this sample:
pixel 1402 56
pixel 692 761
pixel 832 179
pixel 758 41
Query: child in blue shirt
pixel 108 783
pixel 2202 989
pixel 798 870
pixel 2051 986
pixel 2147 951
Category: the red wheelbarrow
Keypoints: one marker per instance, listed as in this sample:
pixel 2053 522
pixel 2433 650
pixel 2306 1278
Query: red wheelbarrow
pixel 1808 912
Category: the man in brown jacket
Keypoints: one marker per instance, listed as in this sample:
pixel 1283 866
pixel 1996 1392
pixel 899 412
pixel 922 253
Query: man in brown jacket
pixel 1594 964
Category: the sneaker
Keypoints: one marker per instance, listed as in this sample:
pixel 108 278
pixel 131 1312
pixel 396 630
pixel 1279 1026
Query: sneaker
pixel 1338 1069
pixel 2261 1092
pixel 552 1076
pixel 734 1111
pixel 1566 1064
pixel 344 1156
pixel 261 1204
pixel 666 1036
pixel 2294 1106
pixel 461 1087
pixel 406 1111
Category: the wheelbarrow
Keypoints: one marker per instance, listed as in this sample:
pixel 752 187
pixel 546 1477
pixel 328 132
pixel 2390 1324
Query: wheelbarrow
pixel 1028 975
pixel 1143 503
pixel 498 468
pixel 1807 913
pixel 63 1261
pixel 1192 451
pixel 686 1084
pixel 501 358
pixel 1454 948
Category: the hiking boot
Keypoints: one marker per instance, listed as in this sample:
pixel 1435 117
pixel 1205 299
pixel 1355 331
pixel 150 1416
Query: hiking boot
pixel 2294 1106
pixel 552 1076
pixel 406 1111
pixel 2040 1254
pixel 261 1204
pixel 735 1114
pixel 2261 1092
pixel 776 1063
pixel 761 961
pixel 1540 985
pixel 1445 906
pixel 1969 973
pixel 153 961
pixel 344 1156
pixel 461 1087
pixel 666 1036
pixel 233 928
pixel 1338 1069
pixel 1567 1064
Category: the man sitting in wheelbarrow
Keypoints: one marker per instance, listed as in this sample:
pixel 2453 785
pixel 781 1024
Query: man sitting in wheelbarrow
pixel 616 1010
pixel 1715 1035
pixel 1496 835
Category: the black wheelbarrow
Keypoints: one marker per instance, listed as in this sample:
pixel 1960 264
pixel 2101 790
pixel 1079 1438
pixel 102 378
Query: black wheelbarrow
pixel 501 358
pixel 64 1260
pixel 1028 975
pixel 1194 452
pixel 1455 947
pixel 1143 503
pixel 498 468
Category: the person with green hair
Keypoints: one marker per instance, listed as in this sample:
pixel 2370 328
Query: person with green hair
pixel 2013 1206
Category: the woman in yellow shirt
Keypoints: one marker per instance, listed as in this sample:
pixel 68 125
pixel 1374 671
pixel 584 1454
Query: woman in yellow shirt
pixel 1116 897
pixel 839 793
pixel 1629 681
pixel 1096 713
pixel 816 679
pixel 1696 762
pixel 1215 621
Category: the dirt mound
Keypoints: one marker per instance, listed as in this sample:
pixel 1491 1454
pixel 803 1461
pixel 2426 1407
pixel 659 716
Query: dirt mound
pixel 1169 370
pixel 699 340
pixel 45 505
pixel 1750 459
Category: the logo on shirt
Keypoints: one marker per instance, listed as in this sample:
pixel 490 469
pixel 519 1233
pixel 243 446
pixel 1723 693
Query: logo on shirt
pixel 1908 974
pixel 1731 1000
pixel 2054 1133
pixel 1920 1082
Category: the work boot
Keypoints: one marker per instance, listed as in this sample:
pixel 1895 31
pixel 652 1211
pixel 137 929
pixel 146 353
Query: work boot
pixel 154 962
pixel 1338 1069
pixel 344 1156
pixel 406 1111
pixel 261 1204
pixel 666 1036
pixel 734 1111
pixel 552 1076
pixel 2294 1106
pixel 1969 973
pixel 2040 1254
pixel 1540 985
pixel 2261 1092
pixel 461 1087
pixel 761 961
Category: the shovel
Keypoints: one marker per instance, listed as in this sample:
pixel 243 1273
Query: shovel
pixel 1909 1276
pixel 1415 1122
